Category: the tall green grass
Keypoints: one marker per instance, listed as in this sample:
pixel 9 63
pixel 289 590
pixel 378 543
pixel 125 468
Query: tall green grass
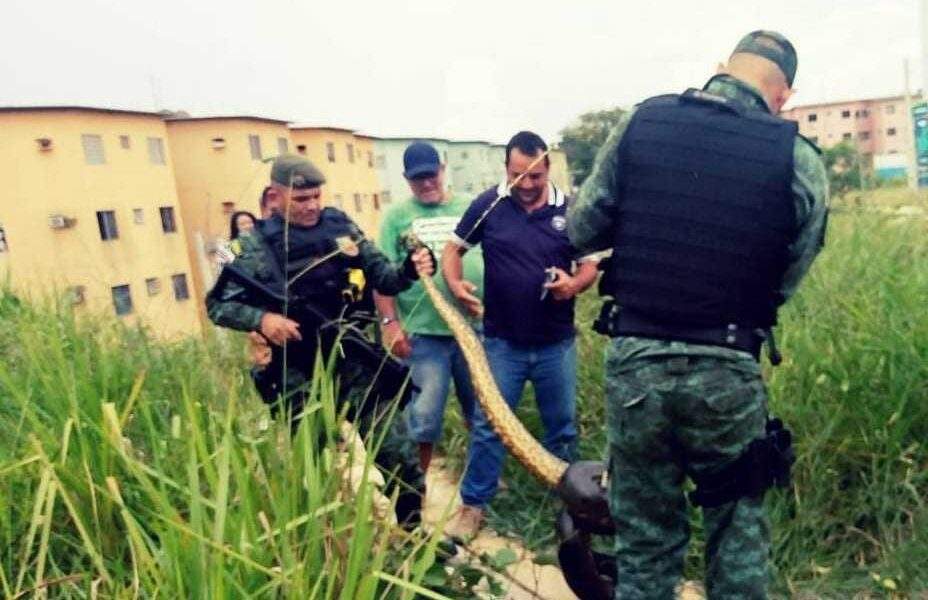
pixel 854 389
pixel 135 468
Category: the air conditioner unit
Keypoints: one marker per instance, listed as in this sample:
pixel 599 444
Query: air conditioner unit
pixel 78 293
pixel 59 222
pixel 218 143
pixel 45 144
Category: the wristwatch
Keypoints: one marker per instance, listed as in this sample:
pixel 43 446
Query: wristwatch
pixel 386 320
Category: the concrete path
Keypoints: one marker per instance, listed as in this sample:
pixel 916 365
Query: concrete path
pixel 526 580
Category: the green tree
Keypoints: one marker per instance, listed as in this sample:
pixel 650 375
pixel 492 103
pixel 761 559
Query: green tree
pixel 581 139
pixel 843 163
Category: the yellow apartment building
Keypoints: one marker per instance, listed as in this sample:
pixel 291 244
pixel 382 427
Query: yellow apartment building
pixel 221 165
pixel 89 209
pixel 347 160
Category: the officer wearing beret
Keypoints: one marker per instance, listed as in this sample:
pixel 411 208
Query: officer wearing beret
pixel 308 252
pixel 714 209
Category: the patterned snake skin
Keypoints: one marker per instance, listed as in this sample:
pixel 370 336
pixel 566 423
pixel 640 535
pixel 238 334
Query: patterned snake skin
pixel 517 439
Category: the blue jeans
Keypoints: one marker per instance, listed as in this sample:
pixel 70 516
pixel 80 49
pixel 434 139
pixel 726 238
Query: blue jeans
pixel 435 360
pixel 552 369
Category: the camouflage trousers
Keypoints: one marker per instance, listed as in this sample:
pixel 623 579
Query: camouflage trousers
pixel 670 417
pixel 397 456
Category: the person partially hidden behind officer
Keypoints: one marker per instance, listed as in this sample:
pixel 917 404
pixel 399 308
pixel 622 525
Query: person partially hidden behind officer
pixel 314 262
pixel 714 209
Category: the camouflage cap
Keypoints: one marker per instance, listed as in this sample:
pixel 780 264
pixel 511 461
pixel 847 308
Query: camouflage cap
pixel 295 171
pixel 772 46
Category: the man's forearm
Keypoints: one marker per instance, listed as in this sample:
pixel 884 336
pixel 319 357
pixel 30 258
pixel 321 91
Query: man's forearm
pixel 386 306
pixel 452 263
pixel 587 272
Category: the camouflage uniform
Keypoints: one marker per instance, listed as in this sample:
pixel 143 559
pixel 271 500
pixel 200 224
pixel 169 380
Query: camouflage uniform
pixel 676 408
pixel 397 452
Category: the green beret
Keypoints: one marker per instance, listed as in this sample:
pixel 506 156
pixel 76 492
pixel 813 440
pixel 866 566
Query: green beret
pixel 774 47
pixel 295 171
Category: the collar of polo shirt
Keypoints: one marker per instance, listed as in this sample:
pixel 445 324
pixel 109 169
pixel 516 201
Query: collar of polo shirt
pixel 555 196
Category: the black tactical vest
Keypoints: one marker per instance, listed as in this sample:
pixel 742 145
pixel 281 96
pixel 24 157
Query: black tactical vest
pixel 705 214
pixel 323 283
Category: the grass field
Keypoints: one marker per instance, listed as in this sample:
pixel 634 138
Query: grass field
pixel 131 467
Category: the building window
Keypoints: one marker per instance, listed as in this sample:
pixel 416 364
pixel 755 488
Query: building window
pixel 463 154
pixel 167 219
pixel 376 201
pixel 106 219
pixel 387 198
pixel 156 151
pixel 889 109
pixel 93 149
pixel 891 131
pixel 301 148
pixel 381 161
pixel 153 285
pixel 254 145
pixel 138 216
pixel 845 114
pixel 179 282
pixel 228 207
pixel 370 159
pixel 3 245
pixel 124 142
pixel 283 146
pixel 864 135
pixel 845 136
pixel 339 202
pixel 444 158
pixel 357 202
pixel 330 151
pixel 122 299
pixel 350 148
pixel 812 118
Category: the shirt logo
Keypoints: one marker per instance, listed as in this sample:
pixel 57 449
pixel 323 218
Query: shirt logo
pixel 559 223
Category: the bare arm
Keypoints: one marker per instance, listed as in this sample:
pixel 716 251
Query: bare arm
pixel 567 286
pixel 452 267
pixel 394 336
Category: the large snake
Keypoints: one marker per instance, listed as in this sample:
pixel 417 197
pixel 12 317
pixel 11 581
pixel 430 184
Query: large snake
pixel 534 457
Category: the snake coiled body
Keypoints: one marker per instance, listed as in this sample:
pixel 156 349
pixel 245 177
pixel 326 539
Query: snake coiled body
pixel 517 439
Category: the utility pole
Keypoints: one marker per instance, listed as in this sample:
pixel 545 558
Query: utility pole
pixel 911 167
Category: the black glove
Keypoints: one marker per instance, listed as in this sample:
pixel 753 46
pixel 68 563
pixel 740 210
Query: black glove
pixel 409 267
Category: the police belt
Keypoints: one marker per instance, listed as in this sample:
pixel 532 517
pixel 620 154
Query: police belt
pixel 747 339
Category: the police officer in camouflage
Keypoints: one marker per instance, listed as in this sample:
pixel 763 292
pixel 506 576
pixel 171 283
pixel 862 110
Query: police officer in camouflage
pixel 714 209
pixel 309 253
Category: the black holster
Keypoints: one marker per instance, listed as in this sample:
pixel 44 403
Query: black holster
pixel 764 464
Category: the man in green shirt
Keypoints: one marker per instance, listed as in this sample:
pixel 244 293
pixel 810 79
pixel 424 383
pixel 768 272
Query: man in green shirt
pixel 411 326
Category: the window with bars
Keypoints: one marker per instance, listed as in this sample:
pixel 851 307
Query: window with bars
pixel 138 216
pixel 124 142
pixel 357 202
pixel 153 285
pixel 254 146
pixel 179 282
pixel 106 220
pixel 93 149
pixel 122 299
pixel 891 131
pixel 156 154
pixel 330 151
pixel 350 149
pixel 168 225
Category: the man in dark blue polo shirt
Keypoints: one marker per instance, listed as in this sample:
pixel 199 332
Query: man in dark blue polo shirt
pixel 528 320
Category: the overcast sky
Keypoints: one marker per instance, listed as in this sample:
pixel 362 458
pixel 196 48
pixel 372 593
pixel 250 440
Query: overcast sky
pixel 465 69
